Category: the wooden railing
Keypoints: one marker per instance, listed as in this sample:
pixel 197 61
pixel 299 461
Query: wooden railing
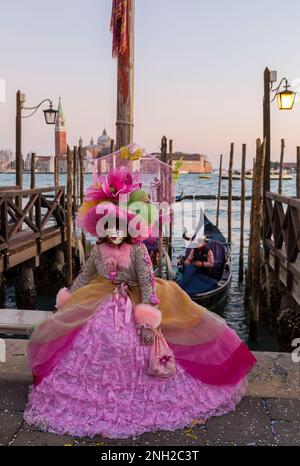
pixel 282 240
pixel 282 226
pixel 32 212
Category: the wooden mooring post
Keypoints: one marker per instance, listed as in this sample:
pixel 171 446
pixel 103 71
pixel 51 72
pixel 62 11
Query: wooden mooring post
pixel 255 239
pixel 229 212
pixel 25 286
pixel 69 216
pixel 75 173
pixel 56 171
pixel 81 194
pixel 170 232
pixel 32 171
pixel 219 190
pixel 242 215
pixel 298 173
pixel 248 284
pixel 281 166
pixel 32 179
pixel 112 146
pixel 164 143
pixel 77 203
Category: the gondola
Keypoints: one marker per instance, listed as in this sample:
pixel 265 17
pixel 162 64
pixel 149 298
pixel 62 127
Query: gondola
pixel 218 281
pixel 180 197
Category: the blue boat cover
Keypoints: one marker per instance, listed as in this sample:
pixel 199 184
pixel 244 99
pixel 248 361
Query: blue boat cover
pixel 195 281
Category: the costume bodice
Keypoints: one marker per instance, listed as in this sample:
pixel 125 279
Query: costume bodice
pixel 137 271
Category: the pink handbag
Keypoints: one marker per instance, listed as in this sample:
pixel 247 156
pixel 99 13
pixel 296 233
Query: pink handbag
pixel 162 359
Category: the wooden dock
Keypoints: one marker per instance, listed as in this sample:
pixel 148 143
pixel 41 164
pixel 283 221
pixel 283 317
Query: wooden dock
pixel 31 222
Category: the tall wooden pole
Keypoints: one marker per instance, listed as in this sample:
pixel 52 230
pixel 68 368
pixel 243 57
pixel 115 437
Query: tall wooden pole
pixel 32 171
pixel 219 190
pixel 69 216
pixel 267 129
pixel 170 162
pixel 242 220
pixel 56 171
pixel 125 90
pixel 75 171
pixel 81 192
pixel 77 180
pixel 281 166
pixel 298 173
pixel 81 170
pixel 267 148
pixel 19 160
pixel 160 197
pixel 255 240
pixel 112 146
pixel 32 179
pixel 230 191
pixel 248 286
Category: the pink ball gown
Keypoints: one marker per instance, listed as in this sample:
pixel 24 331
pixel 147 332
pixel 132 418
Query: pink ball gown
pixel 90 369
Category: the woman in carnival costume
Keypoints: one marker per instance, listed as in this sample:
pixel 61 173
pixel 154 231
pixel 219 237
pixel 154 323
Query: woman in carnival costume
pixel 96 363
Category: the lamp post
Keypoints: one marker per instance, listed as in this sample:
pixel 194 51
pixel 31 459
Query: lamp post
pixel 285 101
pixel 50 118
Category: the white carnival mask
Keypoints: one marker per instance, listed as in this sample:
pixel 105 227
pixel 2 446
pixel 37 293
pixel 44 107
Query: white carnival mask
pixel 115 236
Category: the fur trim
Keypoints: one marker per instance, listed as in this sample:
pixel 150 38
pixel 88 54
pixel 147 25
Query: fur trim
pixel 117 254
pixel 148 315
pixel 62 297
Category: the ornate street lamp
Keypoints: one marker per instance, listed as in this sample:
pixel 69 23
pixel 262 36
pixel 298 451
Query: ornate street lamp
pixel 50 118
pixel 50 115
pixel 285 98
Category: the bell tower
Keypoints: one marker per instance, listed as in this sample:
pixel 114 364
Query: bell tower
pixel 60 132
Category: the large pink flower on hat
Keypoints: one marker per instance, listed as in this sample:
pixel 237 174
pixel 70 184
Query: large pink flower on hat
pixel 105 210
pixel 118 181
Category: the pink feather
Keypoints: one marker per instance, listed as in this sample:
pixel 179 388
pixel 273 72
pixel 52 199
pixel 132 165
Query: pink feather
pixel 62 297
pixel 147 315
pixel 120 255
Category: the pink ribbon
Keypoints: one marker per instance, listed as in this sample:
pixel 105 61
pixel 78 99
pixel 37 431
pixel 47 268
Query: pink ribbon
pixel 121 294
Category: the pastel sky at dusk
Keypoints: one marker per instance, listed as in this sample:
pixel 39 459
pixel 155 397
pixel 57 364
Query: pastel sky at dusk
pixel 198 71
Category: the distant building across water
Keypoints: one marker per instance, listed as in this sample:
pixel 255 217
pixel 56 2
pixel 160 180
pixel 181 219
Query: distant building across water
pixel 191 163
pixel 289 166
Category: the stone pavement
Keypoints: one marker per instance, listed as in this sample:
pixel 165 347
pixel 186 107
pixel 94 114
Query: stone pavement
pixel 268 415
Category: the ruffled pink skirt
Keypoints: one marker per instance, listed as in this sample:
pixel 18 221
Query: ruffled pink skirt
pixel 101 386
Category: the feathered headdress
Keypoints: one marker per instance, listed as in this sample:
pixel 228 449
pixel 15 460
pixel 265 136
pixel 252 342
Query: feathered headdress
pixel 118 197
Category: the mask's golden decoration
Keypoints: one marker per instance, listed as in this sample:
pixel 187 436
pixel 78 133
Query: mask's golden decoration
pixel 125 154
pixel 176 169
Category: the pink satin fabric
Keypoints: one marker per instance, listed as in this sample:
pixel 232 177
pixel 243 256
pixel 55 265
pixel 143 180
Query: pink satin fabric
pixel 208 350
pixel 223 361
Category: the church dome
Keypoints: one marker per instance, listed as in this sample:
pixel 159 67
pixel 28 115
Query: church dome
pixel 104 139
pixel 93 149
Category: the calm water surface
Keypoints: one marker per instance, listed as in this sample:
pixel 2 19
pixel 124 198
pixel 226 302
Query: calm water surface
pixel 231 307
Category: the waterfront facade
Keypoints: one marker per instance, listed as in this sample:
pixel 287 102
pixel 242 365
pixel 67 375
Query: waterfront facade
pixel 191 163
pixel 43 163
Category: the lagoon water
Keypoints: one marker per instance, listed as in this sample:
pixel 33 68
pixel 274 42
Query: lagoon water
pixel 231 307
